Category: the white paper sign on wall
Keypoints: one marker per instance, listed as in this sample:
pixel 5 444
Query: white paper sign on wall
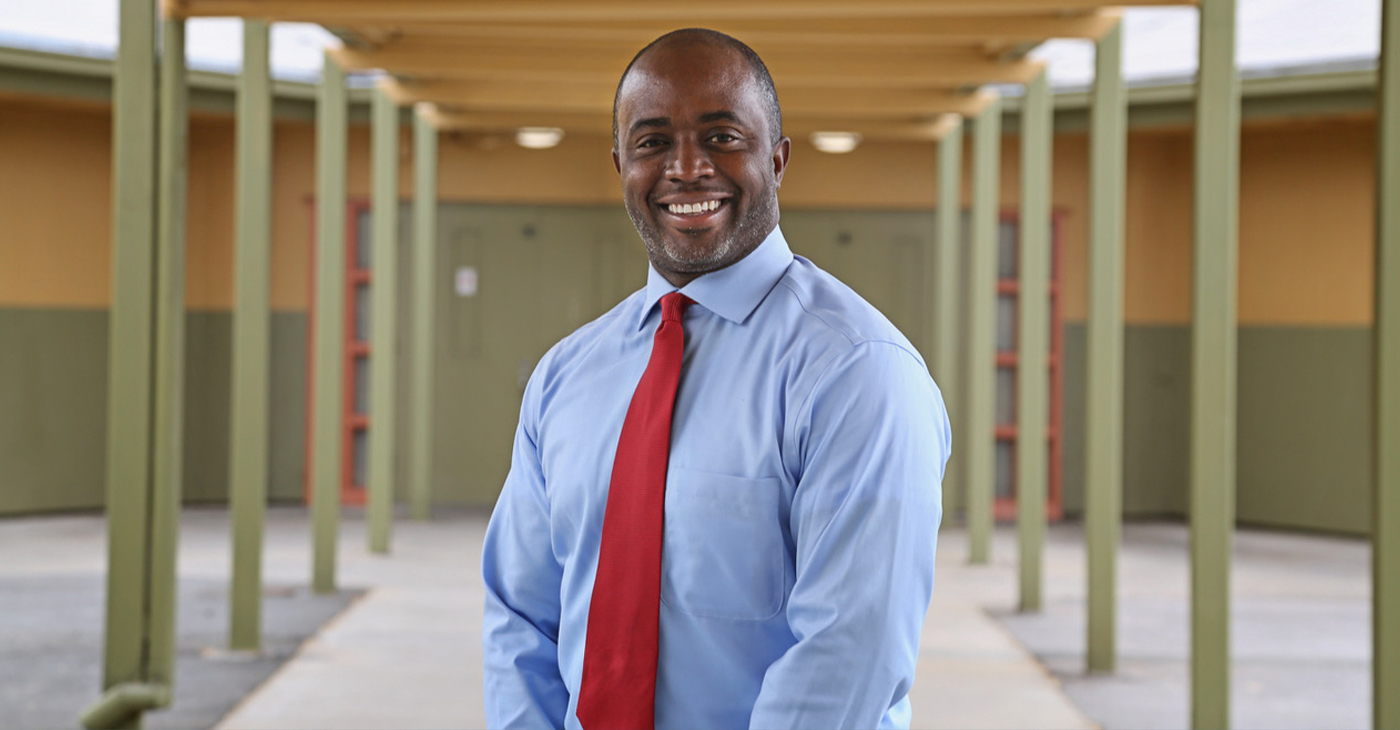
pixel 466 281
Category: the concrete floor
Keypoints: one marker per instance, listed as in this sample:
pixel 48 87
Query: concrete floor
pixel 407 653
pixel 52 588
pixel 1300 629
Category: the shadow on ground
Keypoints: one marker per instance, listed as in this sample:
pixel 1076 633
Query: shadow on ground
pixel 51 648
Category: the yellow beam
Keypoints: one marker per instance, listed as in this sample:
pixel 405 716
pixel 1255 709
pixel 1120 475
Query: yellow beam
pixel 352 11
pixel 601 124
pixel 496 95
pixel 592 63
pixel 881 32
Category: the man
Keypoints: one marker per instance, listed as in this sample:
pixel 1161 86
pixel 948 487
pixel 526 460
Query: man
pixel 724 495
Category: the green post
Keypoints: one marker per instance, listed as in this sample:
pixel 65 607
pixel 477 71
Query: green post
pixel 1213 359
pixel 1033 340
pixel 1108 142
pixel 946 313
pixel 168 435
pixel 383 334
pixel 328 396
pixel 251 337
pixel 1385 531
pixel 145 370
pixel 424 314
pixel 980 370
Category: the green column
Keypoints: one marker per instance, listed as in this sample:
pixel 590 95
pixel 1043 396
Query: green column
pixel 1385 533
pixel 1033 340
pixel 946 313
pixel 145 370
pixel 424 314
pixel 1108 142
pixel 980 371
pixel 251 337
pixel 383 333
pixel 329 357
pixel 1213 344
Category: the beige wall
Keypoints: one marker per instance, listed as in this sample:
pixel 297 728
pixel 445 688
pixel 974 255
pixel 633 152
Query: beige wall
pixel 1306 196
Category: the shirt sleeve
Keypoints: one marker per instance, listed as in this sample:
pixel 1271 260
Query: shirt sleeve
pixel 520 634
pixel 872 440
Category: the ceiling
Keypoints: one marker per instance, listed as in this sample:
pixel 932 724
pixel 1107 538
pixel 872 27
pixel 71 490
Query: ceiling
pixel 886 69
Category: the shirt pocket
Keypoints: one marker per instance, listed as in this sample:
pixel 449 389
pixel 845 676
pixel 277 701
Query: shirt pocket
pixel 722 554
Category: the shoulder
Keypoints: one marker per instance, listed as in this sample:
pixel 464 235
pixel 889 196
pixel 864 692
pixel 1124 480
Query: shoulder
pixel 834 316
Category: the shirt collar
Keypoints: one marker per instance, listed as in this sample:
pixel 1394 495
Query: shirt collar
pixel 732 292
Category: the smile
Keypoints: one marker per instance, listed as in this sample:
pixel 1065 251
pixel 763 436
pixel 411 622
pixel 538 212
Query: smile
pixel 700 208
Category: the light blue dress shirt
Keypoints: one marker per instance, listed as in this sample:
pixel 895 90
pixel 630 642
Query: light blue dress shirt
pixel 802 507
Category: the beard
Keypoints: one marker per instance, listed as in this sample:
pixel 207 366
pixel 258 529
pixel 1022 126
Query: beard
pixel 668 254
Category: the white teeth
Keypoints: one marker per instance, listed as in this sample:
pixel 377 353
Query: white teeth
pixel 685 208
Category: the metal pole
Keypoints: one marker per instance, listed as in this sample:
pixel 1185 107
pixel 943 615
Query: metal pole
pixel 131 341
pixel 1103 511
pixel 1385 529
pixel 945 310
pixel 383 332
pixel 168 447
pixel 145 371
pixel 424 314
pixel 1213 361
pixel 981 364
pixel 251 332
pixel 326 468
pixel 1033 339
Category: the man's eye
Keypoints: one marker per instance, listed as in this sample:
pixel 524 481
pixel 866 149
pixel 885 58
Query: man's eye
pixel 723 138
pixel 651 142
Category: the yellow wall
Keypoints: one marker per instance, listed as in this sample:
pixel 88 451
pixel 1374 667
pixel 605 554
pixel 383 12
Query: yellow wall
pixel 1306 196
pixel 55 206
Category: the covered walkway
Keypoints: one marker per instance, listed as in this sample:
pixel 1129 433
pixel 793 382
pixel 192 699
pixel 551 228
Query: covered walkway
pixel 404 649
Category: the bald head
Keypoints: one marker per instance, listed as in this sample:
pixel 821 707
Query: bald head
pixel 691 38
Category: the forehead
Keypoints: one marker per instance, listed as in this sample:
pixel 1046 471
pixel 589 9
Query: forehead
pixel 677 79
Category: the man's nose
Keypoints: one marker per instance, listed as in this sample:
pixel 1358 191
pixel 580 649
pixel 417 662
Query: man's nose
pixel 689 161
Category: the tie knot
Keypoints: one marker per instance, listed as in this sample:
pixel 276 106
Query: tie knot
pixel 673 306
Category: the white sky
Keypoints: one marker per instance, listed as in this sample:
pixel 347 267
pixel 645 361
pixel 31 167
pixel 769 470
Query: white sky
pixel 1159 43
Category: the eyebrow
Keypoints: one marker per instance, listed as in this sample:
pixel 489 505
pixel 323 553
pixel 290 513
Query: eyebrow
pixel 661 122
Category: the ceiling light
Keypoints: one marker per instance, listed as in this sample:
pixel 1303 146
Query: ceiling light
pixel 836 143
pixel 538 138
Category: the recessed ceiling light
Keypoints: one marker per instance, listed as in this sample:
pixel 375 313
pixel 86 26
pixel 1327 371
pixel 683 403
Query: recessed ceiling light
pixel 538 138
pixel 837 143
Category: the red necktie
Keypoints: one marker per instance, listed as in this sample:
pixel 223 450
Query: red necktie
pixel 618 691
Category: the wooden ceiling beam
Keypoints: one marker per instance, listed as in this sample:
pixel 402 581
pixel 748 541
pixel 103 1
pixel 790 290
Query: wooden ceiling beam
pixel 890 68
pixel 339 12
pixel 818 32
pixel 493 95
pixel 926 129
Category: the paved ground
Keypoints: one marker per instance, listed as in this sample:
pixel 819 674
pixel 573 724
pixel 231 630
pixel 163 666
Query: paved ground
pixel 407 653
pixel 52 587
pixel 1300 629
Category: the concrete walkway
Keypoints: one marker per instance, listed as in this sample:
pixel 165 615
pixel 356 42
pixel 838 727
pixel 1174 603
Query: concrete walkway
pixel 408 653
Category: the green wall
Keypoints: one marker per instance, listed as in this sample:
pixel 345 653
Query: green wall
pixel 1304 440
pixel 53 404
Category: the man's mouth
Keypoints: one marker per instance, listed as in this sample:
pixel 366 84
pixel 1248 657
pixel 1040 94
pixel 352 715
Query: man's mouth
pixel 700 208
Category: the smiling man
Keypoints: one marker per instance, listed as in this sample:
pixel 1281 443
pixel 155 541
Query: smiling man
pixel 724 494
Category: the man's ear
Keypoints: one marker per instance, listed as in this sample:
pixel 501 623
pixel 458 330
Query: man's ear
pixel 617 161
pixel 781 151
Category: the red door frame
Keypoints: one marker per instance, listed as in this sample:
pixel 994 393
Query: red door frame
pixel 1005 507
pixel 352 349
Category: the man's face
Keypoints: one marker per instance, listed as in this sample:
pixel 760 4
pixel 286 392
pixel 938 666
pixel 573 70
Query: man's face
pixel 700 172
